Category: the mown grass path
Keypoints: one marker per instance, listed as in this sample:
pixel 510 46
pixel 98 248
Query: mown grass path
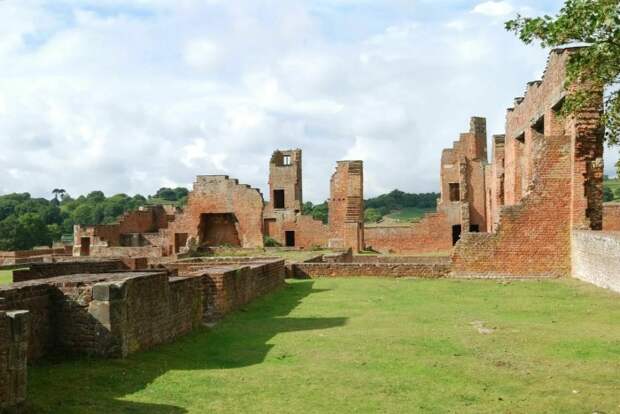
pixel 370 346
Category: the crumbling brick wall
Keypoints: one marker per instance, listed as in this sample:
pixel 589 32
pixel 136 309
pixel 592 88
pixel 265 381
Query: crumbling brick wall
pixel 35 298
pixel 432 234
pixel 146 220
pixel 218 194
pixel 48 270
pixel 230 287
pixel 14 331
pixel 464 165
pixel 611 217
pixel 285 174
pixel 346 206
pixel 143 310
pixel 553 183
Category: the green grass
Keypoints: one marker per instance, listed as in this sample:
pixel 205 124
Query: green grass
pixel 369 346
pixel 6 277
pixel 409 214
pixel 613 185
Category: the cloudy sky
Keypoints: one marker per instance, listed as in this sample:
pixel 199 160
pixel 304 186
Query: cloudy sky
pixel 131 95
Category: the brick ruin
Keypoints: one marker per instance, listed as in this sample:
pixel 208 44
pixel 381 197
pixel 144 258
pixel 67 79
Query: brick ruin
pixel 534 210
pixel 101 309
pixel 222 212
pixel 545 181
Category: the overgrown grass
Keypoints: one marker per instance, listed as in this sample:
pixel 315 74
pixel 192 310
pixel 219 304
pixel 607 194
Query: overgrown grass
pixel 6 277
pixel 369 346
pixel 409 214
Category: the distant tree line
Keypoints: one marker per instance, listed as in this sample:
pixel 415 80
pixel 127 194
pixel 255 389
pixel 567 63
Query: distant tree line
pixel 376 208
pixel 26 222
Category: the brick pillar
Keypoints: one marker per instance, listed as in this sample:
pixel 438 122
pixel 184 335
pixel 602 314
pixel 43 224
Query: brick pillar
pixel 14 333
pixel 587 171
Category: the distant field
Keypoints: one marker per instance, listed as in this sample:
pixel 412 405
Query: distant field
pixel 412 213
pixel 613 185
pixel 6 277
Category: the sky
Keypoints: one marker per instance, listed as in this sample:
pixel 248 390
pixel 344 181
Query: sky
pixel 126 96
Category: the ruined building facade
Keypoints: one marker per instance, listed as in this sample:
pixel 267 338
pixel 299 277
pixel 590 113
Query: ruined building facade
pixel 545 181
pixel 222 212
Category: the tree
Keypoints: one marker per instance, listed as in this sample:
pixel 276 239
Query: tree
pixel 59 193
pixel 597 24
pixel 607 194
pixel 372 215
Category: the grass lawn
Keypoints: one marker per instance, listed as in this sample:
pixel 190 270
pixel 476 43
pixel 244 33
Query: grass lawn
pixel 369 346
pixel 409 214
pixel 6 277
pixel 613 185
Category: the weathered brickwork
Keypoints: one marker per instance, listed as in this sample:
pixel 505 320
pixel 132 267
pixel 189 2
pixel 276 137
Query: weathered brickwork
pixel 432 234
pixel 48 270
pixel 14 331
pixel 142 311
pixel 35 298
pixel 596 258
pixel 461 208
pixel 389 270
pixel 611 217
pixel 495 183
pixel 219 211
pixel 462 166
pixel 552 183
pixel 30 256
pixel 134 229
pixel 346 206
pixel 230 283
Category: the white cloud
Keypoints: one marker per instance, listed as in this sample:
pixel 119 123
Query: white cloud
pixel 127 96
pixel 201 53
pixel 494 8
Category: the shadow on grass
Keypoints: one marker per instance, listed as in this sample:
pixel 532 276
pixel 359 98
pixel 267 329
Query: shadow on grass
pixel 240 340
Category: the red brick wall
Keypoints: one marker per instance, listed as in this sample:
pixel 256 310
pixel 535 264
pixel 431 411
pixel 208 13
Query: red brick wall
pixel 287 178
pixel 611 217
pixel 309 233
pixel 14 331
pixel 221 195
pixel 533 238
pixel 432 234
pixel 47 270
pixel 553 183
pixel 390 270
pixel 346 206
pixel 229 287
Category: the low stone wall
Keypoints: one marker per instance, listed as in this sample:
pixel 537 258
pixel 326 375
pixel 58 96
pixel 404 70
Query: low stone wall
pixel 14 331
pixel 143 251
pixel 228 288
pixel 340 257
pixel 110 314
pixel 596 258
pixel 401 259
pixel 144 310
pixel 390 270
pixel 35 298
pixel 48 270
pixel 27 256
